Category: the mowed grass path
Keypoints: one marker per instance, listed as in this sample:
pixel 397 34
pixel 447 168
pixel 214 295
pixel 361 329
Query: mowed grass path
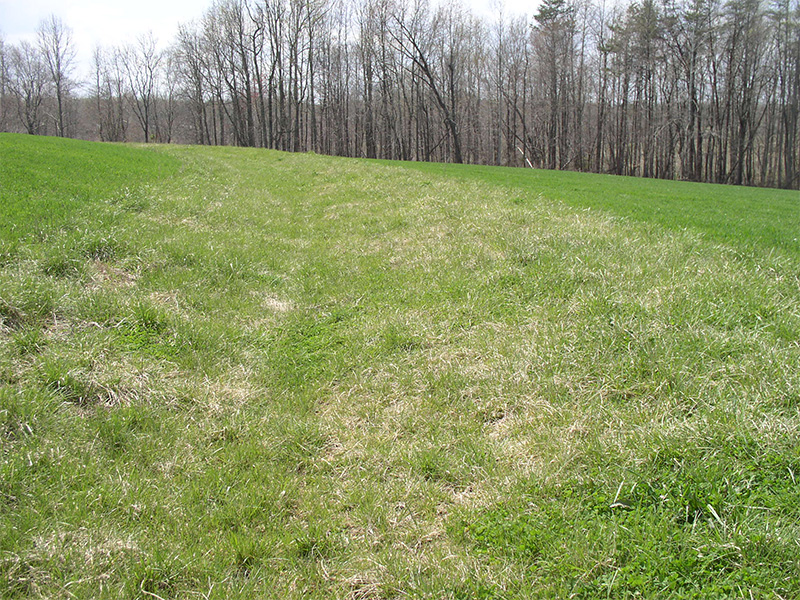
pixel 239 373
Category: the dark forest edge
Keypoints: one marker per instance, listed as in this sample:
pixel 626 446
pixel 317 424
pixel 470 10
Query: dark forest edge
pixel 699 90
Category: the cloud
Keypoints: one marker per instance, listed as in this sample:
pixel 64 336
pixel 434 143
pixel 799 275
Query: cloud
pixel 95 22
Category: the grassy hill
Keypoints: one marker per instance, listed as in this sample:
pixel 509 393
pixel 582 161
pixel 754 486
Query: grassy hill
pixel 240 373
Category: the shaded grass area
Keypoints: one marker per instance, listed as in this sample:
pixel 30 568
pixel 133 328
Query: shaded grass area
pixel 300 376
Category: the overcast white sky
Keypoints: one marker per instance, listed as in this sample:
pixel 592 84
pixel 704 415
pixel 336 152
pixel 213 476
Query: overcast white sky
pixel 107 22
pixel 99 22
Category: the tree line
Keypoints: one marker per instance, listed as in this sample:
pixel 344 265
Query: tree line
pixel 702 90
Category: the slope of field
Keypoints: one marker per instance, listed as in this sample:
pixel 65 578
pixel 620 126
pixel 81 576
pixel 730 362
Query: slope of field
pixel 239 373
pixel 739 216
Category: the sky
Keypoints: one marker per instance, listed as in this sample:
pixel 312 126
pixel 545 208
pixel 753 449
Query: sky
pixel 104 21
pixel 99 22
pixel 115 22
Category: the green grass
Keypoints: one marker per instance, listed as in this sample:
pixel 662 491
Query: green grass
pixel 43 186
pixel 752 220
pixel 240 373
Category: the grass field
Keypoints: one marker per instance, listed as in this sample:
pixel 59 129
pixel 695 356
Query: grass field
pixel 230 373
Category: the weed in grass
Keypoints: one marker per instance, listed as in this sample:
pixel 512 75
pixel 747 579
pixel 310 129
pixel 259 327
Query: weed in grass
pixel 60 264
pixel 27 301
pixel 306 347
pixel 314 545
pixel 148 332
pixel 160 574
pixel 28 341
pixel 398 338
pixel 8 252
pixel 10 316
pixel 476 591
pixel 130 200
pixel 102 249
pixel 122 428
pixel 75 383
pixel 21 413
pixel 248 552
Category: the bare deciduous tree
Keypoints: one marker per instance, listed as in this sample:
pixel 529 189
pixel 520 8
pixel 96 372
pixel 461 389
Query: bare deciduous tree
pixel 28 81
pixel 142 63
pixel 109 94
pixel 4 86
pixel 58 51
